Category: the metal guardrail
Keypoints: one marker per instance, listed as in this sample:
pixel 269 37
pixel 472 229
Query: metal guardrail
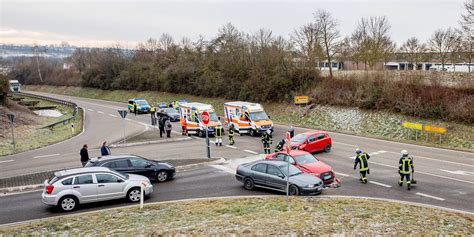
pixel 58 101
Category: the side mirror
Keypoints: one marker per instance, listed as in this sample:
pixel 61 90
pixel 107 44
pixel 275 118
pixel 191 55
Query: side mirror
pixel 147 165
pixel 120 181
pixel 281 176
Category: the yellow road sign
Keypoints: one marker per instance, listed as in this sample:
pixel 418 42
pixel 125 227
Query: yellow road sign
pixel 434 129
pixel 417 126
pixel 301 99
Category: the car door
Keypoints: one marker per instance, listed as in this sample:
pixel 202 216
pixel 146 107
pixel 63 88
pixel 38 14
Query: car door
pixel 311 145
pixel 259 174
pixel 142 167
pixel 321 141
pixel 275 178
pixel 109 186
pixel 121 165
pixel 85 185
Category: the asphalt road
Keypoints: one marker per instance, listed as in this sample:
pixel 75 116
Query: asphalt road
pixel 445 177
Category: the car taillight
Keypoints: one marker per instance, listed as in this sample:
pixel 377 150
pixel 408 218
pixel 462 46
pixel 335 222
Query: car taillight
pixel 49 189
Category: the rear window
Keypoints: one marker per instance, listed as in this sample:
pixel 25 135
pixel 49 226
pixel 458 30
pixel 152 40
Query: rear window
pixel 52 179
pixel 67 181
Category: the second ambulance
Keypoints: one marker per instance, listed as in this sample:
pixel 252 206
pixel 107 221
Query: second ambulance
pixel 247 117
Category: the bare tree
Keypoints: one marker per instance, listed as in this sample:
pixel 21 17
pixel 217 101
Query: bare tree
pixel 307 44
pixel 467 26
pixel 166 42
pixel 328 34
pixel 414 51
pixel 377 43
pixel 444 43
pixel 358 42
pixel 38 52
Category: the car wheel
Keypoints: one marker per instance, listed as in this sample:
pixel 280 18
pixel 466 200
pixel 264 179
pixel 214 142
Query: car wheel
pixel 161 176
pixel 134 195
pixel 252 132
pixel 294 191
pixel 200 133
pixel 248 184
pixel 68 203
pixel 327 148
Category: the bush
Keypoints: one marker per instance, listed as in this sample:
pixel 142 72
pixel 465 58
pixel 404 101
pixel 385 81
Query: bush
pixel 4 88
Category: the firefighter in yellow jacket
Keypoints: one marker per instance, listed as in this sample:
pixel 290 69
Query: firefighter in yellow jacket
pixel 405 169
pixel 361 159
pixel 219 133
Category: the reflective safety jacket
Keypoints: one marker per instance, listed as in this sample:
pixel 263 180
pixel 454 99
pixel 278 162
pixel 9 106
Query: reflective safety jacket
pixel 219 131
pixel 231 131
pixel 405 165
pixel 362 160
pixel 266 138
pixel 279 146
pixel 152 109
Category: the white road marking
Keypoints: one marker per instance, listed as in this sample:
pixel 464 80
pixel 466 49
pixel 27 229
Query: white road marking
pixel 44 156
pixel 6 161
pixel 127 119
pixel 229 146
pixel 380 184
pixel 345 144
pixel 460 172
pixel 100 112
pixel 342 174
pixel 91 110
pixel 370 154
pixel 111 115
pixel 429 196
pixel 251 152
pixel 223 168
pixel 439 160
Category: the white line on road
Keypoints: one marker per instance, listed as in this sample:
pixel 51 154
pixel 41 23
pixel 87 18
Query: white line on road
pixel 342 174
pixel 5 161
pixel 44 156
pixel 229 146
pixel 112 115
pixel 127 119
pixel 429 196
pixel 345 144
pixel 100 112
pixel 380 184
pixel 439 160
pixel 252 152
pixel 90 110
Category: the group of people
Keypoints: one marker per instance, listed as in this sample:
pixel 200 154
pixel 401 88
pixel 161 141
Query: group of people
pixel 405 167
pixel 84 153
pixel 163 120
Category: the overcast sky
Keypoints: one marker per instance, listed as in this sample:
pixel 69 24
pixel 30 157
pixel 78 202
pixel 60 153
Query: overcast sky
pixel 101 22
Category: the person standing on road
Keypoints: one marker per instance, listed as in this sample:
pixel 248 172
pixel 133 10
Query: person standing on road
pixel 405 168
pixel 361 159
pixel 105 150
pixel 231 134
pixel 135 108
pixel 279 146
pixel 84 155
pixel 168 127
pixel 219 133
pixel 161 124
pixel 292 132
pixel 184 128
pixel 153 114
pixel 266 140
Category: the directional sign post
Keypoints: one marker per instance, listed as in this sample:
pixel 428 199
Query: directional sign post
pixel 414 126
pixel 11 118
pixel 301 100
pixel 205 121
pixel 123 114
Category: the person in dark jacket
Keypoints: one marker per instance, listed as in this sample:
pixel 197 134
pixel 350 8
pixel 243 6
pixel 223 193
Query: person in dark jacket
pixel 105 150
pixel 161 124
pixel 168 127
pixel 84 155
pixel 279 146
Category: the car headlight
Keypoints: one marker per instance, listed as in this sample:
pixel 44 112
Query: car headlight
pixel 146 183
pixel 310 185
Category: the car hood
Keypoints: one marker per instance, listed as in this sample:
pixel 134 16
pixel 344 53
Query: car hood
pixel 295 144
pixel 315 167
pixel 304 179
pixel 136 177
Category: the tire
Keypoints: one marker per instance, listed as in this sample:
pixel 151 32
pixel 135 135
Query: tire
pixel 293 190
pixel 327 148
pixel 249 184
pixel 200 133
pixel 162 176
pixel 252 133
pixel 133 195
pixel 68 203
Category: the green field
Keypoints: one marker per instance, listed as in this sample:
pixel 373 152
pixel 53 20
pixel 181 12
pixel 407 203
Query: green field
pixel 257 216
pixel 378 124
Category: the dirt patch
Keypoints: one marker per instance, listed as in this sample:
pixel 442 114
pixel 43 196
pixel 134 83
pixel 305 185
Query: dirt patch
pixel 259 216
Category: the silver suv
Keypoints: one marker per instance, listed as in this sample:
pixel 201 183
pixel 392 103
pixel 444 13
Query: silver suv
pixel 68 188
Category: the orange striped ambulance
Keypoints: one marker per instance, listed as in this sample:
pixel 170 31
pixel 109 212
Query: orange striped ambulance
pixel 247 117
pixel 190 115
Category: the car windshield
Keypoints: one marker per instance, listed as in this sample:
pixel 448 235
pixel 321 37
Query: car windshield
pixel 141 102
pixel 299 138
pixel 257 116
pixel 293 170
pixel 171 111
pixel 305 159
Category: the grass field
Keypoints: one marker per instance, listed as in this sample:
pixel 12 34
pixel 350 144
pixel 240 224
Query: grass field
pixel 31 136
pixel 258 216
pixel 378 124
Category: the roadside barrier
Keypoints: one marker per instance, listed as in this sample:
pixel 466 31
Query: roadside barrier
pixel 63 102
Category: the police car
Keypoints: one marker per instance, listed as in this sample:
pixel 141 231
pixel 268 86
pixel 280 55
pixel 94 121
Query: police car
pixel 142 105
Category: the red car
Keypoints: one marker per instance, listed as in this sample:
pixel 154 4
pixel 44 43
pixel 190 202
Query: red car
pixel 306 163
pixel 312 141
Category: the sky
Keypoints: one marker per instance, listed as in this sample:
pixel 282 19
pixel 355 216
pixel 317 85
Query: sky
pixel 101 23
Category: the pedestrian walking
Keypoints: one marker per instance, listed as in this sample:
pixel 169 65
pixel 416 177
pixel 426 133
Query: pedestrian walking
pixel 135 108
pixel 168 127
pixel 267 140
pixel 405 169
pixel 361 159
pixel 231 134
pixel 84 155
pixel 219 134
pixel 105 150
pixel 161 124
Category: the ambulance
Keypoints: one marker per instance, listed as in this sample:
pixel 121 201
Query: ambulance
pixel 247 117
pixel 190 115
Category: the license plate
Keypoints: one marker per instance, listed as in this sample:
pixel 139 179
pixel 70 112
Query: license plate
pixel 327 177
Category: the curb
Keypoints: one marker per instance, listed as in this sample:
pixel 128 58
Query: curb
pixel 234 197
pixel 34 187
pixel 150 142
